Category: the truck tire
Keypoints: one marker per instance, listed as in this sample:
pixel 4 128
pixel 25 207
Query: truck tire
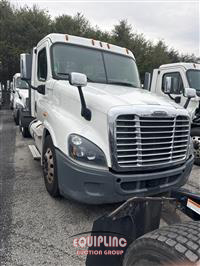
pixel 16 118
pixel 173 245
pixel 195 133
pixel 23 130
pixel 11 106
pixel 49 166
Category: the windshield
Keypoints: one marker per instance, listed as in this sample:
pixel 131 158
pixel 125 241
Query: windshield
pixel 194 79
pixel 21 84
pixel 98 66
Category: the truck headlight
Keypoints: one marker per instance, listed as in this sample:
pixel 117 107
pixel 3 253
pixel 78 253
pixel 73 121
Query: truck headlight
pixel 86 152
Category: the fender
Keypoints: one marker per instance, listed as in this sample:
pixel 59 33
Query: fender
pixel 47 127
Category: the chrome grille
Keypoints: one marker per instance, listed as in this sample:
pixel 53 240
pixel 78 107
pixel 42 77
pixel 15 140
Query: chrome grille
pixel 142 141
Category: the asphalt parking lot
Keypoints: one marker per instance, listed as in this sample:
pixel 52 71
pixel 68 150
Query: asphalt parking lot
pixel 35 228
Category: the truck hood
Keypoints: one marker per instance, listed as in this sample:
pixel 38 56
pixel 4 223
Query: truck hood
pixel 106 96
pixel 23 93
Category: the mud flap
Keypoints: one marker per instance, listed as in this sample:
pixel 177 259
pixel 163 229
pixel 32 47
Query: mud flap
pixel 131 220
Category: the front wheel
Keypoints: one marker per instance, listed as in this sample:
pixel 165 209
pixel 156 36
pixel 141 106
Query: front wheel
pixel 16 118
pixel 195 134
pixel 49 166
pixel 23 130
pixel 175 245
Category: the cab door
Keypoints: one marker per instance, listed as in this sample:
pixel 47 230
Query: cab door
pixel 40 99
pixel 179 83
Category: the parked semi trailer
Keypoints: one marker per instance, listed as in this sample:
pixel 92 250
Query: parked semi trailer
pixel 101 138
pixel 180 76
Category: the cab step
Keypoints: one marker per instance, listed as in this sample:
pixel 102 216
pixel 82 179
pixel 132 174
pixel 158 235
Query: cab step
pixel 35 152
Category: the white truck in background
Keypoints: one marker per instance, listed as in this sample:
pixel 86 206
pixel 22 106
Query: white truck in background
pixel 101 138
pixel 19 100
pixel 180 76
pixel 1 94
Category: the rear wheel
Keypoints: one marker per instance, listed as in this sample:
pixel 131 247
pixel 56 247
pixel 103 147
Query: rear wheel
pixel 50 167
pixel 175 245
pixel 195 133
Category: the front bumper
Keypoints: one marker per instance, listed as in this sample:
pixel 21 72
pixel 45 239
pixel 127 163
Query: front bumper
pixel 94 186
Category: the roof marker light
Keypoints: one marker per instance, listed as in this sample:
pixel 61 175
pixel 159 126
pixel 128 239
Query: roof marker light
pixel 127 51
pixel 108 45
pixel 101 44
pixel 66 37
pixel 93 42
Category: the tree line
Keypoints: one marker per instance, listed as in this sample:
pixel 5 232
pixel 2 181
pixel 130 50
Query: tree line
pixel 21 29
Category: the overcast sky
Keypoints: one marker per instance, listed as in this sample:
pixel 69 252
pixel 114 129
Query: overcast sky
pixel 176 22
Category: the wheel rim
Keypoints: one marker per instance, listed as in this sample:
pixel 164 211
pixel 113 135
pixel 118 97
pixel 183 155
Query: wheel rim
pixel 49 166
pixel 196 145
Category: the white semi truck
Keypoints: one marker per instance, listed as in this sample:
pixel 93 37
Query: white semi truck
pixel 180 76
pixel 1 95
pixel 101 138
pixel 19 100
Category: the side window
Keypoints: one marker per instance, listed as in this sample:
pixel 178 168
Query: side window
pixel 42 65
pixel 177 83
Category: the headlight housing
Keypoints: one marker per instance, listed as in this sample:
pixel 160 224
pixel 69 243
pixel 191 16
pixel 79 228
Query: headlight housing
pixel 86 152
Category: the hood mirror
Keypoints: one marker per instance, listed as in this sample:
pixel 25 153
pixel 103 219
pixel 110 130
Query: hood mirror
pixel 190 93
pixel 80 80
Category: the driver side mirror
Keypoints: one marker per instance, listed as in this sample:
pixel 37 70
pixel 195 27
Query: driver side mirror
pixel 168 85
pixel 190 93
pixel 25 66
pixel 147 81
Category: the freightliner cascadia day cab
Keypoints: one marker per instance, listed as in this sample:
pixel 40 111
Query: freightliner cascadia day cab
pixel 19 99
pixel 102 139
pixel 180 76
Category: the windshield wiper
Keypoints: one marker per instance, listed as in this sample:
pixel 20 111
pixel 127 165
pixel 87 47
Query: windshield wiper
pixel 90 80
pixel 60 73
pixel 123 83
